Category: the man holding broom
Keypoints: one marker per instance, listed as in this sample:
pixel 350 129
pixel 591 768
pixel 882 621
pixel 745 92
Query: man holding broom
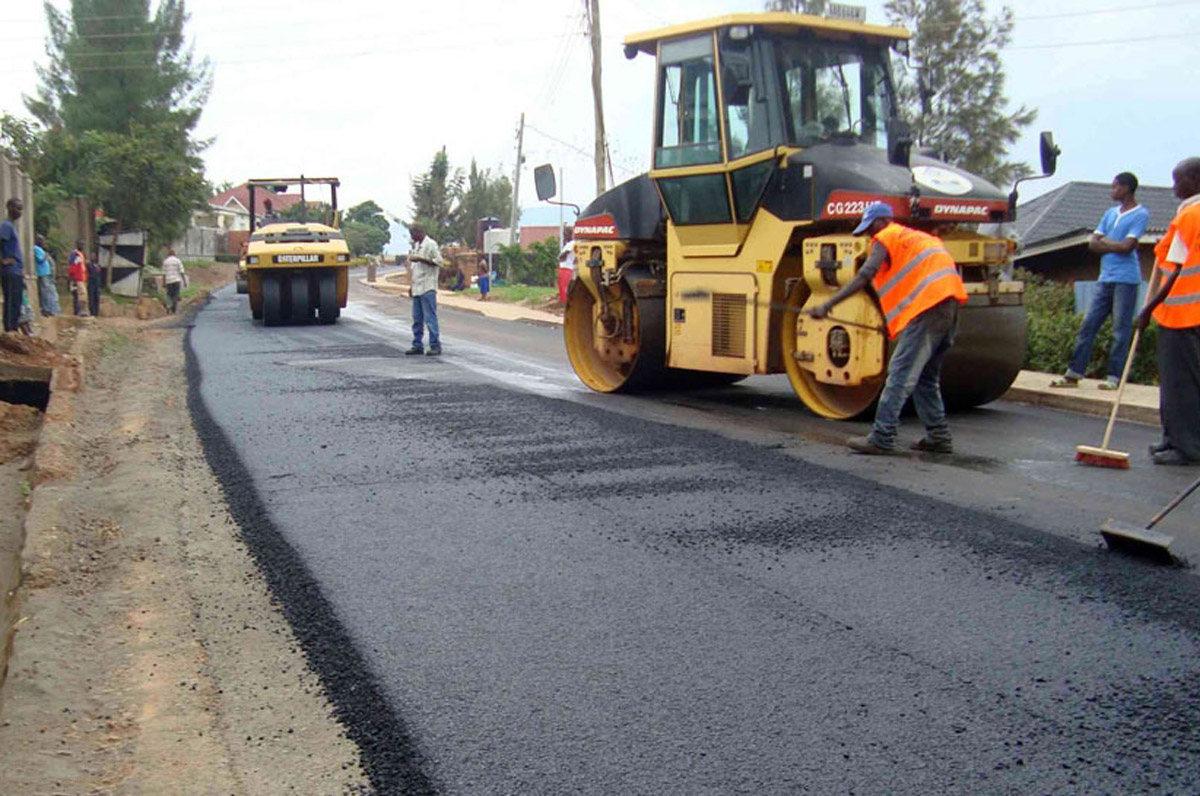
pixel 919 290
pixel 1176 307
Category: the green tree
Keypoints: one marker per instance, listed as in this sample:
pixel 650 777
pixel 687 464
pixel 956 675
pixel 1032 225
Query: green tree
pixel 367 229
pixel 115 65
pixel 311 211
pixel 485 195
pixel 953 86
pixel 117 104
pixel 434 194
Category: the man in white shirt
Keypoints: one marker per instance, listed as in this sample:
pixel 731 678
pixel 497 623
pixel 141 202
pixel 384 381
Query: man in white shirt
pixel 174 278
pixel 424 260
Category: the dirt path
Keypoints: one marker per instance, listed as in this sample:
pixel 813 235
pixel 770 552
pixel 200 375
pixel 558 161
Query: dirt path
pixel 148 658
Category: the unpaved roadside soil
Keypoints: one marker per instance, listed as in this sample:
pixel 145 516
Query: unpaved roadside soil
pixel 148 657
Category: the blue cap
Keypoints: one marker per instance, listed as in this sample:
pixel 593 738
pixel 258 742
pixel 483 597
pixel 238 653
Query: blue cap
pixel 873 211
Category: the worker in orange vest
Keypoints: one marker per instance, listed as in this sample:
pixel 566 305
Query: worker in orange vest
pixel 919 290
pixel 1176 307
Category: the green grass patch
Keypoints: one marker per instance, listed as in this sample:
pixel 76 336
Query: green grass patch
pixel 115 341
pixel 516 294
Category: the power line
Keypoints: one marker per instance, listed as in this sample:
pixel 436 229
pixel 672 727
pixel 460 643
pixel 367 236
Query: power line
pixel 306 57
pixel 1102 42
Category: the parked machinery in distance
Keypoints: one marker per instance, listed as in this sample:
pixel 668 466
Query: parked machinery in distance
pixel 296 271
pixel 773 131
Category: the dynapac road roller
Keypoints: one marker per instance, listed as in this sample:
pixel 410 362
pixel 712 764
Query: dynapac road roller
pixel 296 271
pixel 772 132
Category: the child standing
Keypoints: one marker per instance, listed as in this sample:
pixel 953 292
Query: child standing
pixel 77 273
pixel 485 280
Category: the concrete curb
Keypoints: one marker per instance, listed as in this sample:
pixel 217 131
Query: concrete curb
pixel 50 460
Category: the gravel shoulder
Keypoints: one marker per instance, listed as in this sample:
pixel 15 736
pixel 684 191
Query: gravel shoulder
pixel 148 655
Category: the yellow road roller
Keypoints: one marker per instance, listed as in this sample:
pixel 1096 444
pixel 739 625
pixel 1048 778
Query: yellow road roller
pixel 773 131
pixel 296 271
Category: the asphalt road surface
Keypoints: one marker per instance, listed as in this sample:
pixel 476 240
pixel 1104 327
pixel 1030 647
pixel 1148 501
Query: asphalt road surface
pixel 511 585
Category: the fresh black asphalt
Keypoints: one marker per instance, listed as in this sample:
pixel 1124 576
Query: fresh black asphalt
pixel 505 593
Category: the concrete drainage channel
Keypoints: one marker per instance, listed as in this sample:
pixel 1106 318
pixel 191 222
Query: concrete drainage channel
pixel 48 391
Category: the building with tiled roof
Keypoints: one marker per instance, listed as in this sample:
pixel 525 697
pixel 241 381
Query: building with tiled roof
pixel 1054 229
pixel 230 210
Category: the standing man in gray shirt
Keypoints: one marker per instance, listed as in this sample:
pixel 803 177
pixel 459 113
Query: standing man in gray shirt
pixel 424 261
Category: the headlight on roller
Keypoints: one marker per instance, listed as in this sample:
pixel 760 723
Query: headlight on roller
pixel 252 260
pixel 343 258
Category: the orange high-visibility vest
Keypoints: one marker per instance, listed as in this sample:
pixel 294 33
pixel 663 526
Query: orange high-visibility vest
pixel 919 274
pixel 1181 308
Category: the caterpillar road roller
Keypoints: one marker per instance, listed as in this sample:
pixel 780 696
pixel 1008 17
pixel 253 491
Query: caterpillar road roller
pixel 773 131
pixel 296 271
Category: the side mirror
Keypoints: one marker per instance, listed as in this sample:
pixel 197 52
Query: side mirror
pixel 543 181
pixel 1050 153
pixel 899 142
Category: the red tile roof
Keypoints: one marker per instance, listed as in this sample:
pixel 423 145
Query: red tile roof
pixel 281 201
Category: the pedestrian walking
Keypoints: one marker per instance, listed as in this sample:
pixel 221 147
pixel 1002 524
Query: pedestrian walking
pixel 12 265
pixel 174 279
pixel 484 279
pixel 77 275
pixel 44 270
pixel 93 284
pixel 424 261
pixel 919 289
pixel 1176 307
pixel 566 270
pixel 1116 240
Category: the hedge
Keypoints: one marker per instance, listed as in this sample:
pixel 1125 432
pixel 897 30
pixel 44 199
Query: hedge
pixel 1053 324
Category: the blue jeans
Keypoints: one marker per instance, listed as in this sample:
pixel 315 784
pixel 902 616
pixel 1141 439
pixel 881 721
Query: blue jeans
pixel 1119 300
pixel 916 369
pixel 424 309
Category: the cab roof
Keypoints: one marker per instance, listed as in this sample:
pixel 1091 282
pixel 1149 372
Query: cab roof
pixel 772 21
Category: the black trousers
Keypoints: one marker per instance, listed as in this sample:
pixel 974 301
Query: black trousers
pixel 1179 388
pixel 14 286
pixel 93 292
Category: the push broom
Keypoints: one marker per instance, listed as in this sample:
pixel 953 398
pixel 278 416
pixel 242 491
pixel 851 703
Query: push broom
pixel 1103 456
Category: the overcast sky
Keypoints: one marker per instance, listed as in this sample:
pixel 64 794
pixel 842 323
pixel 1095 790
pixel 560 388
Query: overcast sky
pixel 369 90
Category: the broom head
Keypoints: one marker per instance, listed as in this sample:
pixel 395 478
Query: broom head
pixel 1141 542
pixel 1101 457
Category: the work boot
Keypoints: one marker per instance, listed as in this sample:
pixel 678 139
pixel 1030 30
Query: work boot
pixel 434 352
pixel 415 351
pixel 1171 456
pixel 864 445
pixel 1158 447
pixel 927 445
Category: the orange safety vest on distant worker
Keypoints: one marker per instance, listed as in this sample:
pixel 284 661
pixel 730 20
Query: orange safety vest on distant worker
pixel 919 274
pixel 1181 308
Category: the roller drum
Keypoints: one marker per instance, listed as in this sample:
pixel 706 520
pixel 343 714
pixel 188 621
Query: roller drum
pixel 988 352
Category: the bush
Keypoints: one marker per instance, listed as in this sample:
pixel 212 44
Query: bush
pixel 1053 324
pixel 537 267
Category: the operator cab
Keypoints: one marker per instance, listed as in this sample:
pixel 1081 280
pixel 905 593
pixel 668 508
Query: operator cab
pixel 731 91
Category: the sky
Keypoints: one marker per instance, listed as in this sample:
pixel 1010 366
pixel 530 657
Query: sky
pixel 370 90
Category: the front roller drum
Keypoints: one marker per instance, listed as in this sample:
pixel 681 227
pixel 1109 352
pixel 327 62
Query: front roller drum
pixel 327 297
pixel 272 299
pixel 301 307
pixel 835 401
pixel 623 351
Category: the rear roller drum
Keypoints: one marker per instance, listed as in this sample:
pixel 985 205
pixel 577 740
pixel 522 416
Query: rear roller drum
pixel 621 351
pixel 272 300
pixel 301 311
pixel 327 301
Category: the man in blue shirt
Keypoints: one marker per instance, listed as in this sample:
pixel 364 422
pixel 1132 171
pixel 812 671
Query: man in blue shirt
pixel 1116 240
pixel 12 265
pixel 44 270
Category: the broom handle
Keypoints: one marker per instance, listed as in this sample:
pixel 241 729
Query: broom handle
pixel 1170 506
pixel 1112 418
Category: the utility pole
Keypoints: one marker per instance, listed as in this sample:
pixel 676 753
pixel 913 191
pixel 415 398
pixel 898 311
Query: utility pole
pixel 593 14
pixel 516 210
